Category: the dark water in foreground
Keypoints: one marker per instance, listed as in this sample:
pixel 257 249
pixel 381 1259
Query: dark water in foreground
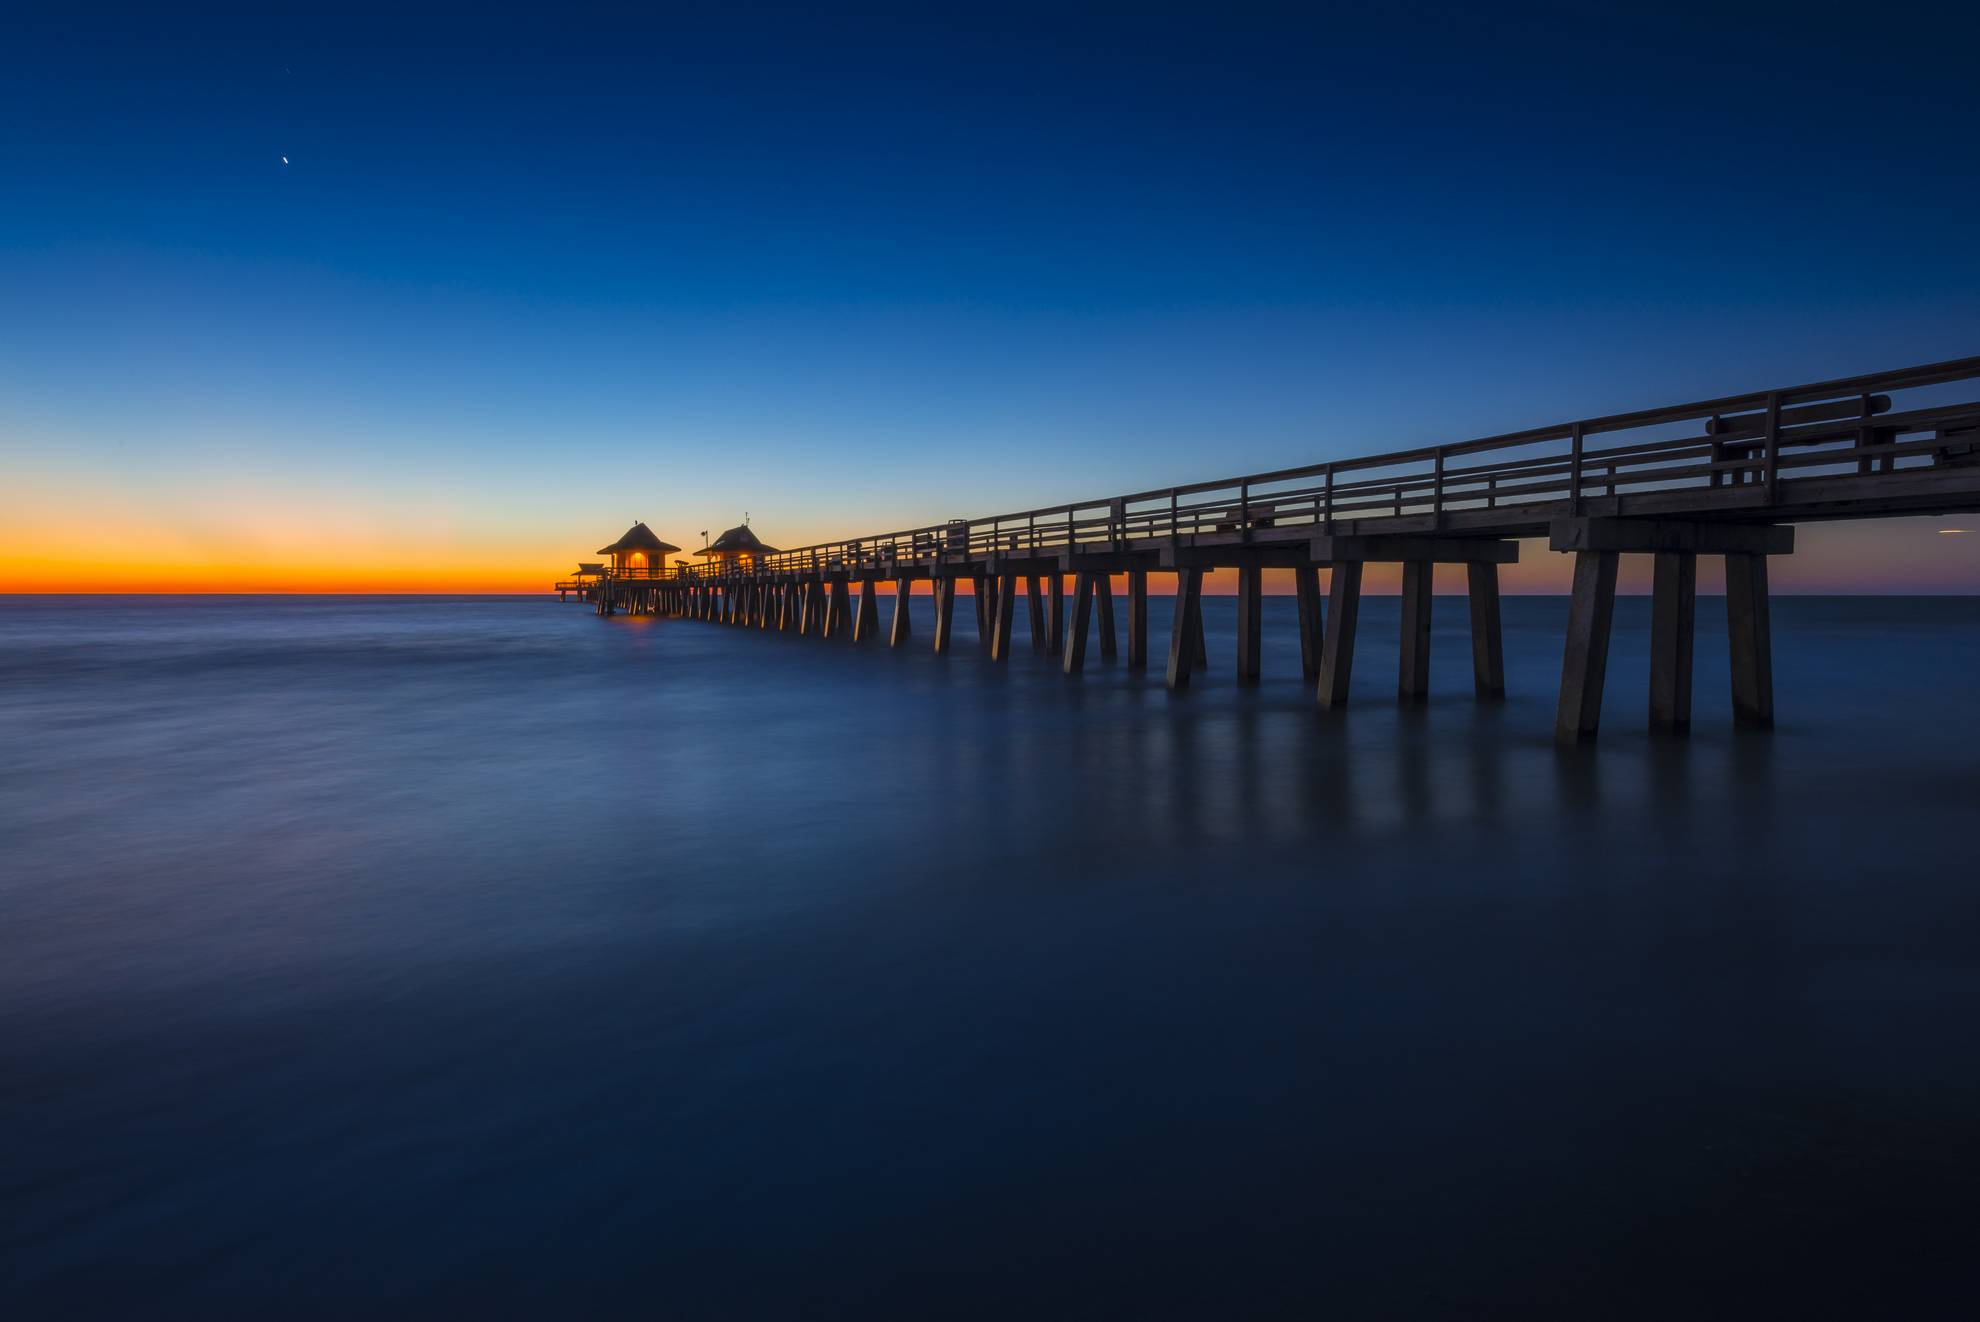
pixel 374 957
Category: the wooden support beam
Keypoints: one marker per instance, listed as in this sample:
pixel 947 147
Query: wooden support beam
pixel 1413 677
pixel 807 607
pixel 1488 646
pixel 1082 611
pixel 1000 628
pixel 1221 551
pixel 1250 628
pixel 1306 587
pixel 1673 615
pixel 1749 630
pixel 1037 608
pixel 903 625
pixel 1648 536
pixel 1183 632
pixel 1330 548
pixel 1103 605
pixel 980 584
pixel 1137 620
pixel 1337 648
pixel 945 613
pixel 1055 613
pixel 1585 663
pixel 866 621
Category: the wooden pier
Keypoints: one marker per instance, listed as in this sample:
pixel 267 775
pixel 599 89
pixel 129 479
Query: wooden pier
pixel 1723 477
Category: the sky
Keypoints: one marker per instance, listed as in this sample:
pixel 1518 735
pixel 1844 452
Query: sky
pixel 443 298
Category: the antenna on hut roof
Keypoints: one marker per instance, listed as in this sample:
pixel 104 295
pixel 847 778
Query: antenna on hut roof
pixel 704 536
pixel 745 518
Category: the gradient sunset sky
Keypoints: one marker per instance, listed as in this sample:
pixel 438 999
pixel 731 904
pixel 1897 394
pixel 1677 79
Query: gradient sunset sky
pixel 530 275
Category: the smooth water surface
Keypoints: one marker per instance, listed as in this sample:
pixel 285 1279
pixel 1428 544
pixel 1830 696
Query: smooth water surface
pixel 485 957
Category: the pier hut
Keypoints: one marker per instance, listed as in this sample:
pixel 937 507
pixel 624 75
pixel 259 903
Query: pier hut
pixel 639 554
pixel 736 549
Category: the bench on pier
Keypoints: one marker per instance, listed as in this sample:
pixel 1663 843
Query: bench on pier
pixel 1958 448
pixel 1741 438
pixel 1239 517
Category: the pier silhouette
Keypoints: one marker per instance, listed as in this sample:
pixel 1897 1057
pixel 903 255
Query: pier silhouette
pixel 1725 477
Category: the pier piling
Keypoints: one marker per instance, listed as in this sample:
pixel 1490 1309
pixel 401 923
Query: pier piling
pixel 1488 648
pixel 1673 618
pixel 945 613
pixel 903 623
pixel 1137 620
pixel 1250 591
pixel 1337 648
pixel 1413 678
pixel 1586 660
pixel 1306 587
pixel 1184 633
pixel 1750 633
pixel 1082 611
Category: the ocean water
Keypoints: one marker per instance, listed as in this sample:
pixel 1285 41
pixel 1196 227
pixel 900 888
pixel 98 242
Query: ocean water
pixel 482 957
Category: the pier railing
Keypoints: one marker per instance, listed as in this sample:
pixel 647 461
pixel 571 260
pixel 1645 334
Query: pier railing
pixel 1882 423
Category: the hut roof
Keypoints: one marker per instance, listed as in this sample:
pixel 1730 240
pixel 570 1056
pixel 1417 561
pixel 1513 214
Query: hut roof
pixel 586 567
pixel 737 539
pixel 639 537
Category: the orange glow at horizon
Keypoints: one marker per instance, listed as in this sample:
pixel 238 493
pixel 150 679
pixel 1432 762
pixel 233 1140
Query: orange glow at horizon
pixel 260 542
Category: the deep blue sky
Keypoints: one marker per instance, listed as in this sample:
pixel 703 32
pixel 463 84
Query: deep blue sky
pixel 858 270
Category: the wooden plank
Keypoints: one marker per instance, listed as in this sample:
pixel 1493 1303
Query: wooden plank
pixel 1673 616
pixel 1649 536
pixel 1337 648
pixel 1413 679
pixel 1334 548
pixel 1488 649
pixel 1750 633
pixel 1585 661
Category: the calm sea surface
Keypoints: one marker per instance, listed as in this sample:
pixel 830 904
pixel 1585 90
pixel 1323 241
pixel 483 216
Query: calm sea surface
pixel 485 957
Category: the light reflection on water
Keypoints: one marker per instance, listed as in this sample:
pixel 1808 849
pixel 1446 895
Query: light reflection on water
pixel 487 954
